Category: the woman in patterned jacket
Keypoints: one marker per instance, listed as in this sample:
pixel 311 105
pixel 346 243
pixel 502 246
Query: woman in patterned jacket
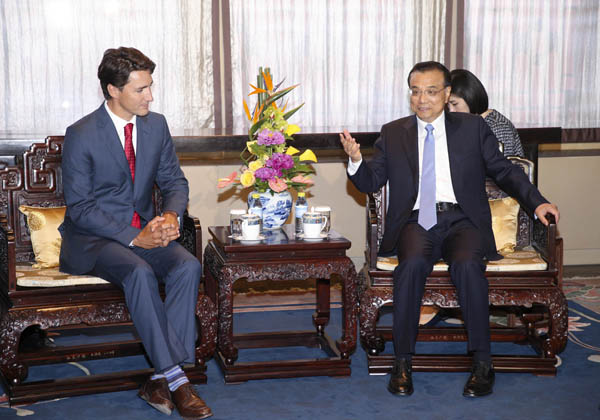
pixel 469 95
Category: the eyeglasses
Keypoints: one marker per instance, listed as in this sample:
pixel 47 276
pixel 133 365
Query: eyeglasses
pixel 428 92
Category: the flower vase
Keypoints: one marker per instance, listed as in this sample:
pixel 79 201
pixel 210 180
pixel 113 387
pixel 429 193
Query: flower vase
pixel 276 208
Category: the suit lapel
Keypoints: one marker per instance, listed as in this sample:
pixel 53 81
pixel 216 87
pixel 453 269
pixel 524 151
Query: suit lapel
pixel 453 140
pixel 411 148
pixel 142 150
pixel 112 141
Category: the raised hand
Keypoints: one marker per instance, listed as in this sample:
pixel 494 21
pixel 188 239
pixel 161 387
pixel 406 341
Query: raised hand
pixel 351 147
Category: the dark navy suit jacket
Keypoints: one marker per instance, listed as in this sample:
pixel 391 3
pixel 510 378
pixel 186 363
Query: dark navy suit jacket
pixel 99 191
pixel 473 153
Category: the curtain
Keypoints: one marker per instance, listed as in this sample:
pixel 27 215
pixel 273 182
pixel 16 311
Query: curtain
pixel 50 51
pixel 350 57
pixel 537 59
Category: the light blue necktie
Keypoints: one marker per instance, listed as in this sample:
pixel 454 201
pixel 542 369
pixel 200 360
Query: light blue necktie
pixel 427 212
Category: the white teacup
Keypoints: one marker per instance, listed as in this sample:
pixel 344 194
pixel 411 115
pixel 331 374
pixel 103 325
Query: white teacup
pixel 326 211
pixel 250 227
pixel 313 224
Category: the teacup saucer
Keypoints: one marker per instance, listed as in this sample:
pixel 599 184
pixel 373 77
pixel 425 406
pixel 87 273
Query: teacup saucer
pixel 322 235
pixel 249 241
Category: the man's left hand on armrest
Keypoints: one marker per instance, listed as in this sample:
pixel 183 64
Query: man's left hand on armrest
pixel 547 208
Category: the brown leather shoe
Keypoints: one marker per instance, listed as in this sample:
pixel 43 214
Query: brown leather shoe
pixel 157 394
pixel 189 404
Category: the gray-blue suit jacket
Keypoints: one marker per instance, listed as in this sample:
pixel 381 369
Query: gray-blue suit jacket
pixel 99 191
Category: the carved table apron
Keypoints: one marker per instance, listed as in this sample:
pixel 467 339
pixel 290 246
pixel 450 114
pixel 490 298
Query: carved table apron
pixel 281 257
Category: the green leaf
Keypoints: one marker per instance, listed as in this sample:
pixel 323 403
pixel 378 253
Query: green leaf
pixel 255 127
pixel 292 112
pixel 278 95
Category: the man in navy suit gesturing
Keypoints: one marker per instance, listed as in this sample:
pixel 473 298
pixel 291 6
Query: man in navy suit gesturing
pixel 436 164
pixel 111 160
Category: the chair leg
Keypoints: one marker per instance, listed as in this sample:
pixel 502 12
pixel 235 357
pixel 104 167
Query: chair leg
pixel 371 301
pixel 13 372
pixel 206 314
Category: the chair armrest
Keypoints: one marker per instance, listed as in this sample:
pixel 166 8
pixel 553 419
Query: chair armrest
pixel 547 242
pixel 8 279
pixel 191 235
pixel 372 240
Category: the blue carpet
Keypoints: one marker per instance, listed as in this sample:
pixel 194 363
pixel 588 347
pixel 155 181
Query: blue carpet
pixel 573 394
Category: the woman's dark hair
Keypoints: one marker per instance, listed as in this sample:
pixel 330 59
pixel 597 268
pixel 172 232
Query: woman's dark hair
pixel 430 65
pixel 467 86
pixel 117 64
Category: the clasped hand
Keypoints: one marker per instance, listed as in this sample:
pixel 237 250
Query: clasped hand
pixel 158 232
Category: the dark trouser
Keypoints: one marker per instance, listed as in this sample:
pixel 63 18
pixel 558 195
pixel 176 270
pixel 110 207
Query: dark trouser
pixel 455 239
pixel 167 329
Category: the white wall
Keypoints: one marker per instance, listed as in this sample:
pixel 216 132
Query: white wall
pixel 571 182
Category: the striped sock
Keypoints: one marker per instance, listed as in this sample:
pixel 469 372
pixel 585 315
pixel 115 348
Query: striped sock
pixel 175 377
pixel 157 376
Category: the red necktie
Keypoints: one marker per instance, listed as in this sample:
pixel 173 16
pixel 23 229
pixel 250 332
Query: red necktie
pixel 130 155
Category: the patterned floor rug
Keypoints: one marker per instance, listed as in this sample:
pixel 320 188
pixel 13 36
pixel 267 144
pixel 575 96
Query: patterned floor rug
pixel 585 291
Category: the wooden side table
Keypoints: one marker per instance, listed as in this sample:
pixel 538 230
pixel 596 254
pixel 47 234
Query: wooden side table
pixel 281 257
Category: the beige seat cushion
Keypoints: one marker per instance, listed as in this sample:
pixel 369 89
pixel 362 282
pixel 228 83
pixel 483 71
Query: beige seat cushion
pixel 28 276
pixel 43 225
pixel 513 261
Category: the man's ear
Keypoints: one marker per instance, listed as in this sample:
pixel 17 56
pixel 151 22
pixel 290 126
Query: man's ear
pixel 447 91
pixel 113 91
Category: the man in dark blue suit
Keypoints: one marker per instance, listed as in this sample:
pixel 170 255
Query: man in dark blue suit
pixel 436 164
pixel 111 160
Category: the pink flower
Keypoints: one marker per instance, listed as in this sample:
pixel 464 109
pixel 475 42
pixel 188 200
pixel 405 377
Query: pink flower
pixel 303 180
pixel 277 184
pixel 223 182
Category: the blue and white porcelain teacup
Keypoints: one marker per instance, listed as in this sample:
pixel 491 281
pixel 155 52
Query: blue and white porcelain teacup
pixel 313 224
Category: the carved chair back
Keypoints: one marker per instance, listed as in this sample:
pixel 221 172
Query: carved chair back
pixel 36 180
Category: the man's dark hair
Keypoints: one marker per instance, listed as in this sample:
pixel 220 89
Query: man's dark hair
pixel 117 64
pixel 467 86
pixel 430 65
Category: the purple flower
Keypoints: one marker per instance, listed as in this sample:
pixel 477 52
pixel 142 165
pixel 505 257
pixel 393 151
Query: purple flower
pixel 279 161
pixel 267 137
pixel 265 173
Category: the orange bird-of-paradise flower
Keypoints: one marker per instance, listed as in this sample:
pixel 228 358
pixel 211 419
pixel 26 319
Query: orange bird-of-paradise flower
pixel 247 110
pixel 223 182
pixel 257 113
pixel 268 81
pixel 256 90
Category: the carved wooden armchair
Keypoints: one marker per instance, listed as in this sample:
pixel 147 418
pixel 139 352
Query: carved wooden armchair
pixel 54 301
pixel 526 285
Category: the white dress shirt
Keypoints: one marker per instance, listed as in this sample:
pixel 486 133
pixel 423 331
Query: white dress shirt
pixel 120 124
pixel 444 192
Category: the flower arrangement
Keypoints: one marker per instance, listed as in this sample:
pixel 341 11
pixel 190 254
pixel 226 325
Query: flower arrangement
pixel 269 164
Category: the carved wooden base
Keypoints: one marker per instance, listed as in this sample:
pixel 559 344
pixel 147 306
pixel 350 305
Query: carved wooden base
pixel 372 338
pixel 220 277
pixel 382 364
pixel 236 372
pixel 14 365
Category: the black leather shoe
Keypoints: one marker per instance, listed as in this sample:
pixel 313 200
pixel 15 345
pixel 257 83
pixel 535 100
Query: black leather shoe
pixel 401 380
pixel 481 381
